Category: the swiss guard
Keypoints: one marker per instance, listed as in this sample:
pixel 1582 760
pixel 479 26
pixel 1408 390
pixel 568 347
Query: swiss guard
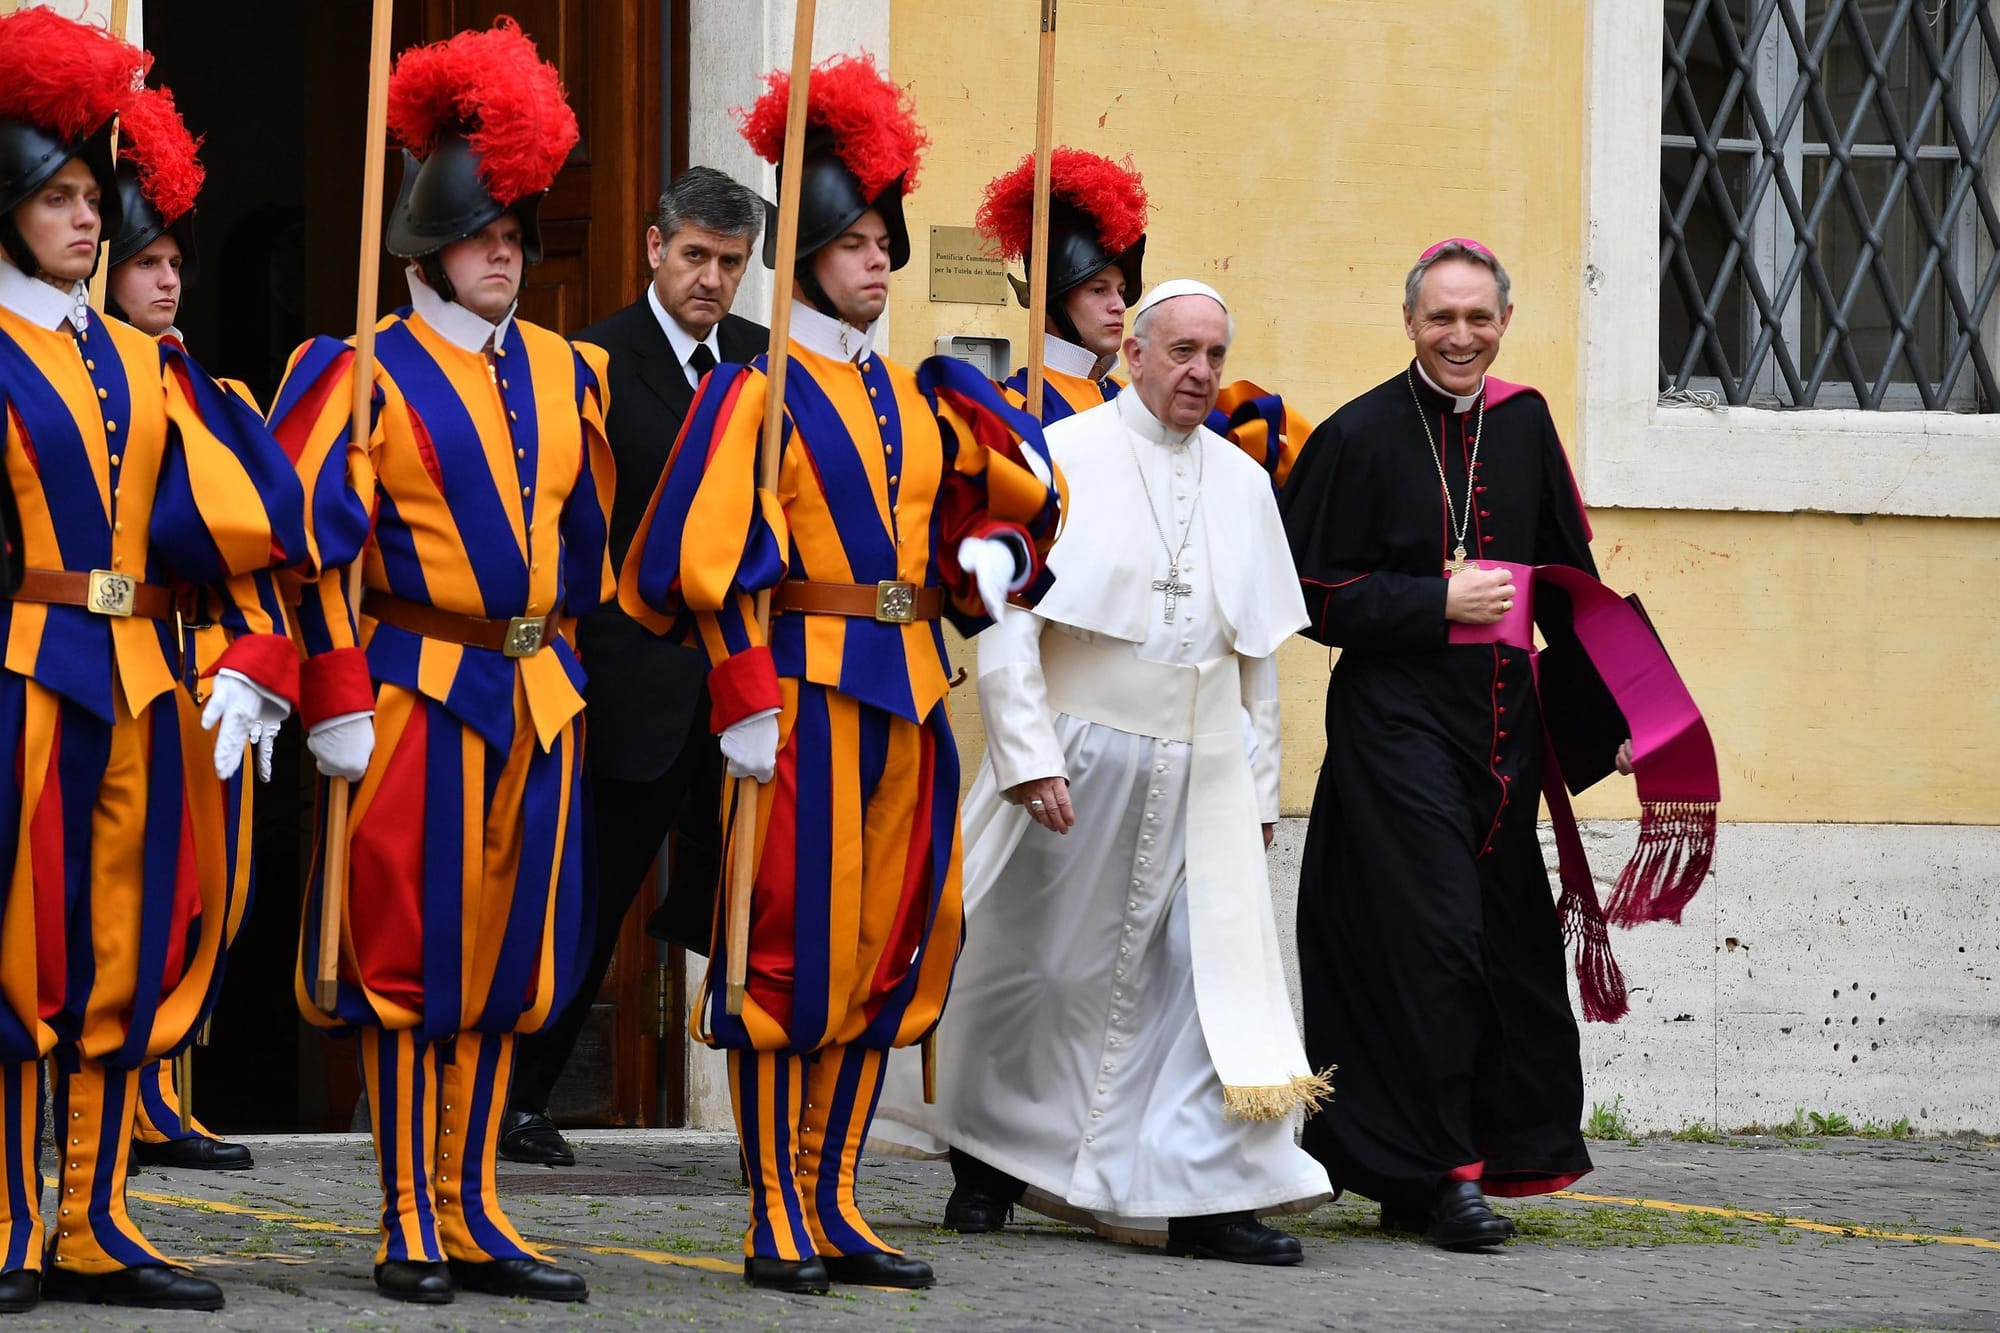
pixel 133 481
pixel 904 497
pixel 1097 251
pixel 449 695
pixel 152 261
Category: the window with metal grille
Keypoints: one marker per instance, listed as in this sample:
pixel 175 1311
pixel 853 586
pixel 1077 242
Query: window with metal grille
pixel 1828 234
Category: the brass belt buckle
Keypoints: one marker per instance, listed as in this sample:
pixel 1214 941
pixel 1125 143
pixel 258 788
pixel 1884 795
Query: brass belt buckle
pixel 112 593
pixel 895 603
pixel 524 636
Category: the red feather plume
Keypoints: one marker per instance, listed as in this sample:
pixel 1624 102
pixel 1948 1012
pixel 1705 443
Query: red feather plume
pixel 152 134
pixel 873 122
pixel 67 77
pixel 1112 193
pixel 492 86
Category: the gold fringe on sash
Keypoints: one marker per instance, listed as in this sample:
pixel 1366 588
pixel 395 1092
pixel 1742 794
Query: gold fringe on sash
pixel 1307 1092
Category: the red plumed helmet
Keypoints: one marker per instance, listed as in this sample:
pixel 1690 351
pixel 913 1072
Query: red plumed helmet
pixel 1097 217
pixel 1111 194
pixel 153 137
pixel 62 76
pixel 491 87
pixel 871 122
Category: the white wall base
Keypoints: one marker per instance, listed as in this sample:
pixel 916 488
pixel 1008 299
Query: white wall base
pixel 1850 967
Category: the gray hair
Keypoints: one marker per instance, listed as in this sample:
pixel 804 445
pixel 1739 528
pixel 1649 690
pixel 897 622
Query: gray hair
pixel 1145 318
pixel 1456 250
pixel 705 198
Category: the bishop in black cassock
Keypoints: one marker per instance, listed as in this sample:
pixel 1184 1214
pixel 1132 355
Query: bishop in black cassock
pixel 1431 959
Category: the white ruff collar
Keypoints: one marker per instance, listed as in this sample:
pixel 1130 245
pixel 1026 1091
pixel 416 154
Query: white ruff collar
pixel 819 333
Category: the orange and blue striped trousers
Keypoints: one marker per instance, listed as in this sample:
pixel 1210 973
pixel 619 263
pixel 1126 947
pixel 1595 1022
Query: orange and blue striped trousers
pixel 855 925
pixel 466 922
pixel 114 926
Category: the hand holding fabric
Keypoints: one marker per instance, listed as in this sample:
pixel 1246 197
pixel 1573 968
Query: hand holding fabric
pixel 343 745
pixel 241 713
pixel 751 746
pixel 993 566
pixel 1479 596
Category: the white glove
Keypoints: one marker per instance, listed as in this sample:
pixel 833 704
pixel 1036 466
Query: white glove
pixel 751 746
pixel 343 745
pixel 992 563
pixel 1249 735
pixel 248 714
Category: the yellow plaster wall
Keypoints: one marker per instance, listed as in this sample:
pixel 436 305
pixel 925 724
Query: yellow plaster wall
pixel 1298 155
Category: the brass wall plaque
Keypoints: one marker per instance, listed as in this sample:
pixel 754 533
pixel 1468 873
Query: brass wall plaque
pixel 963 270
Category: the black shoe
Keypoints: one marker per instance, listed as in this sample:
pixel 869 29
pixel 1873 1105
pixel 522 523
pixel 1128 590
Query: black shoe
pixel 1462 1220
pixel 1237 1237
pixel 153 1287
pixel 520 1277
pixel 195 1154
pixel 876 1269
pixel 419 1283
pixel 971 1213
pixel 19 1291
pixel 804 1276
pixel 531 1137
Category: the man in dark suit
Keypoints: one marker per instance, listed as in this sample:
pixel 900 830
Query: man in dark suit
pixel 654 765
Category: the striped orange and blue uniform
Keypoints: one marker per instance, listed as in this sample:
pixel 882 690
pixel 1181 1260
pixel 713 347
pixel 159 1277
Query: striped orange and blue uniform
pixel 121 456
pixel 162 1117
pixel 484 490
pixel 1256 421
pixel 856 914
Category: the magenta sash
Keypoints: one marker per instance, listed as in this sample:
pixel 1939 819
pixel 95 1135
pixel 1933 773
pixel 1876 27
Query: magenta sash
pixel 1673 758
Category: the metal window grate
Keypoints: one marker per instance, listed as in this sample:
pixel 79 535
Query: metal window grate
pixel 1828 234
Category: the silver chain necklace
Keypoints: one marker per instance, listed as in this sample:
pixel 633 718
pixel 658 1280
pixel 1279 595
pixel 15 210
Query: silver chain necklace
pixel 1460 523
pixel 1171 585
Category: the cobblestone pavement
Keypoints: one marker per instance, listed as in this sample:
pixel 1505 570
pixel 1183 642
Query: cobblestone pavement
pixel 1843 1234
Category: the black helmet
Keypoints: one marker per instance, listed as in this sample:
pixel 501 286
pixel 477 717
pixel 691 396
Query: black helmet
pixel 830 199
pixel 30 155
pixel 1076 254
pixel 141 225
pixel 443 200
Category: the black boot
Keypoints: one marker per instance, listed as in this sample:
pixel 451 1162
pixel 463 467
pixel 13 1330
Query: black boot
pixel 531 1137
pixel 1237 1237
pixel 153 1287
pixel 1462 1220
pixel 195 1154
pixel 20 1290
pixel 803 1276
pixel 982 1196
pixel 876 1269
pixel 520 1277
pixel 416 1282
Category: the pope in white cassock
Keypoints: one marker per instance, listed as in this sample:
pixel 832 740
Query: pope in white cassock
pixel 1119 1049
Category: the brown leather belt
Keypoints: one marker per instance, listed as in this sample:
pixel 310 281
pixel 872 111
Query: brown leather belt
pixel 523 636
pixel 106 592
pixel 888 601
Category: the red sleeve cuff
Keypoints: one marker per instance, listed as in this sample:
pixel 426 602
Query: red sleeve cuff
pixel 1017 537
pixel 741 685
pixel 268 659
pixel 334 683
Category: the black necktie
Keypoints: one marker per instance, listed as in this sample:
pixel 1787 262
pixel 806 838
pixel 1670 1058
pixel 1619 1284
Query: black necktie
pixel 700 361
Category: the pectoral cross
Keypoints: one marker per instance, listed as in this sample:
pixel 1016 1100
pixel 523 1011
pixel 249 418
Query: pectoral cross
pixel 1458 561
pixel 1172 586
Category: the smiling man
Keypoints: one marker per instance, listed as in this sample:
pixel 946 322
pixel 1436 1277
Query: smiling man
pixel 1431 960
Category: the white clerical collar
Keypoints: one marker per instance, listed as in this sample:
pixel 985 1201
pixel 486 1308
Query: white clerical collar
pixel 1459 402
pixel 39 303
pixel 453 322
pixel 834 338
pixel 1071 359
pixel 683 342
pixel 1139 419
